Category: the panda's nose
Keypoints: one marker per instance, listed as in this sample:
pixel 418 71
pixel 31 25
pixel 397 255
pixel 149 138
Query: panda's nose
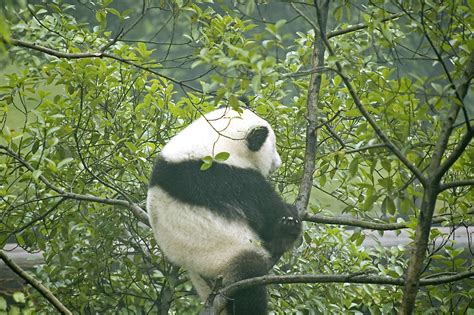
pixel 276 163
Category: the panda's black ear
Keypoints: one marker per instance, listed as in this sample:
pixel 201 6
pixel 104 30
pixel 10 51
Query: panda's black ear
pixel 256 138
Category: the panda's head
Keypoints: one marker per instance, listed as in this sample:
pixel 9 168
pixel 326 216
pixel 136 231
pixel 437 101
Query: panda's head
pixel 248 139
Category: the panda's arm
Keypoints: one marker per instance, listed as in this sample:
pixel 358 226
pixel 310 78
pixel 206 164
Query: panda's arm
pixel 278 222
pixel 286 231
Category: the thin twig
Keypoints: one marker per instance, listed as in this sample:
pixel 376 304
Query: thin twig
pixel 361 26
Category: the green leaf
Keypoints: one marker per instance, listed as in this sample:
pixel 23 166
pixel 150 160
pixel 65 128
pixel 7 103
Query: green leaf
pixel 19 297
pixel 207 162
pixel 37 174
pixel 279 24
pixel 3 304
pixel 256 80
pixel 234 102
pixel 249 7
pixel 353 167
pixel 206 165
pixel 7 133
pixel 64 162
pixel 131 146
pixel 113 11
pixel 386 165
pixel 101 17
pixel 391 206
pixel 222 156
pixel 207 159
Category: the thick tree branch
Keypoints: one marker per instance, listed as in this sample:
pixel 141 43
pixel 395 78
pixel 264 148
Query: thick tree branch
pixel 34 283
pixel 139 213
pixel 82 55
pixel 306 183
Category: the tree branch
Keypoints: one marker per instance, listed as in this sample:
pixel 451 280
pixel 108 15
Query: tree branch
pixel 378 226
pixel 34 283
pixel 454 156
pixel 356 278
pixel 361 26
pixel 459 183
pixel 316 218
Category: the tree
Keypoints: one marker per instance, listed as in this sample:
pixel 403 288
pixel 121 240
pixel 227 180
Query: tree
pixel 370 103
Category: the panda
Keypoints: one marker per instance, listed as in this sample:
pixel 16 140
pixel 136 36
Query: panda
pixel 226 221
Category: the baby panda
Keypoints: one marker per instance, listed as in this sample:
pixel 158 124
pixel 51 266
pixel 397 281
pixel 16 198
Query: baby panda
pixel 226 220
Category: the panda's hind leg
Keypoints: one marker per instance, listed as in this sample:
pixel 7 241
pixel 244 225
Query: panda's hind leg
pixel 252 300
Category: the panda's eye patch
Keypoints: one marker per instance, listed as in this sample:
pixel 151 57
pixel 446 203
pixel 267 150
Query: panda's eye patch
pixel 256 138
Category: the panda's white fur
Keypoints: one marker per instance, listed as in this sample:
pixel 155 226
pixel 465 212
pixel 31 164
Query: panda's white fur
pixel 202 240
pixel 224 130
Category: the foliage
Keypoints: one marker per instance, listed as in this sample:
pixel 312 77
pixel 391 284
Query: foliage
pixel 77 126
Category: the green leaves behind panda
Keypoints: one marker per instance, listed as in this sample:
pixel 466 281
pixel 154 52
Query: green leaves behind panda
pixel 208 160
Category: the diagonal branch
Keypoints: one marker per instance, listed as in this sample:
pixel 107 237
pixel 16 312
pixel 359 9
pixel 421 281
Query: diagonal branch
pixel 389 144
pixel 448 125
pixel 453 157
pixel 34 283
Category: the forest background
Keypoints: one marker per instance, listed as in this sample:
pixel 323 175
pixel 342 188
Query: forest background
pixel 371 102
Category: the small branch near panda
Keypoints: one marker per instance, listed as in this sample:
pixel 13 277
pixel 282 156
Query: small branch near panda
pixel 35 284
pixel 316 218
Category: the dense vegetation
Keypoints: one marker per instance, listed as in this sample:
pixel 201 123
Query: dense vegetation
pixel 371 103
